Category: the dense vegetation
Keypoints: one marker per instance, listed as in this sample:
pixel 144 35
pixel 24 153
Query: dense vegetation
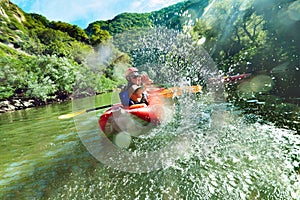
pixel 255 39
pixel 44 60
pixel 173 17
pixel 121 23
pixel 261 38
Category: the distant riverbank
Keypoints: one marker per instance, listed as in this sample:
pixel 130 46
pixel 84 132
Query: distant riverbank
pixel 13 104
pixel 21 102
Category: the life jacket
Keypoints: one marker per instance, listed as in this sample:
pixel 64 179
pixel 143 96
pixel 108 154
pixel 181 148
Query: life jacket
pixel 143 100
pixel 126 101
pixel 124 97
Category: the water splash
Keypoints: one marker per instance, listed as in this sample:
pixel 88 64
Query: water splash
pixel 211 151
pixel 173 59
pixel 227 156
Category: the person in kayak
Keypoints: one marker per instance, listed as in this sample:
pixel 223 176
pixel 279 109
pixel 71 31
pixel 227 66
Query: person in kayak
pixel 137 95
pixel 135 80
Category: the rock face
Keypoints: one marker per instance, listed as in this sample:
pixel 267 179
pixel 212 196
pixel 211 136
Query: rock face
pixel 3 13
pixel 17 13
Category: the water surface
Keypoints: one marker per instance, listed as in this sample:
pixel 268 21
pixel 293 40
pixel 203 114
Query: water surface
pixel 217 153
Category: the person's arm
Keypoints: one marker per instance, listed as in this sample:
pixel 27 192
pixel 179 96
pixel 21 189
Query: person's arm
pixel 146 80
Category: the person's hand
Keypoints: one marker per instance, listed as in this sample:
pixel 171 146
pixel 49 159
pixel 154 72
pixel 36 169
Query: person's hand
pixel 146 80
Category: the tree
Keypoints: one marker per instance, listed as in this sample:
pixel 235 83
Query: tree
pixel 73 30
pixel 99 36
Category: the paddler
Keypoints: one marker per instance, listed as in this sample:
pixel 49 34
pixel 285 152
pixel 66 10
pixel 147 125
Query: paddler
pixel 135 90
pixel 137 95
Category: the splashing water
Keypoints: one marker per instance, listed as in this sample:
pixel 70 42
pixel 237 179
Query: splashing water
pixel 217 153
pixel 175 60
pixel 208 150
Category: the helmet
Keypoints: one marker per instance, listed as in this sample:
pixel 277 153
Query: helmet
pixel 130 71
pixel 133 89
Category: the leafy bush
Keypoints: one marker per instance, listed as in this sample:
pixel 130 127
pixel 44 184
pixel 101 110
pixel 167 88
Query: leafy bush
pixel 72 30
pixel 8 79
pixel 43 77
pixel 38 77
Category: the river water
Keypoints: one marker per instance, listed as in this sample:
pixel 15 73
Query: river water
pixel 215 151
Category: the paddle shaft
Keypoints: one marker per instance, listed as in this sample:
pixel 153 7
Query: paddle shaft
pixel 99 108
pixel 70 115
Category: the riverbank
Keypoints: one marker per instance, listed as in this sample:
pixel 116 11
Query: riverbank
pixel 13 104
pixel 19 102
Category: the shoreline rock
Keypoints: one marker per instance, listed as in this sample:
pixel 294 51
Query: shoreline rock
pixel 20 103
pixel 9 105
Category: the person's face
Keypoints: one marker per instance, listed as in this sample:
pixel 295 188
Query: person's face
pixel 135 80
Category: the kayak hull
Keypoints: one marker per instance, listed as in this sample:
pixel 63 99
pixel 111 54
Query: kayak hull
pixel 231 79
pixel 236 78
pixel 135 120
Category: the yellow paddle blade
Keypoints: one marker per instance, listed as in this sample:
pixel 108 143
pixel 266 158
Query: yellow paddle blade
pixel 70 115
pixel 192 89
pixel 167 94
pixel 170 92
pixel 177 91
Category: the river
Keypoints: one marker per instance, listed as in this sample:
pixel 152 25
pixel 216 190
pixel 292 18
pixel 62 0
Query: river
pixel 218 152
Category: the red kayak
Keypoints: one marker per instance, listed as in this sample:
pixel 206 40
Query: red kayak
pixel 236 78
pixel 135 119
pixel 231 79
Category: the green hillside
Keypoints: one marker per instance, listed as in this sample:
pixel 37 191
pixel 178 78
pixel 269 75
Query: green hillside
pixel 44 60
pixel 173 17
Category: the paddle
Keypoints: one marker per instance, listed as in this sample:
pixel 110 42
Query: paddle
pixel 167 93
pixel 70 115
pixel 177 91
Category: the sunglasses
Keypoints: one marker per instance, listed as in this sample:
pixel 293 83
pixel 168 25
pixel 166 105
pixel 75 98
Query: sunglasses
pixel 135 77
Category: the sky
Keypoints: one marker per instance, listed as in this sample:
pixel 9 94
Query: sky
pixel 84 12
